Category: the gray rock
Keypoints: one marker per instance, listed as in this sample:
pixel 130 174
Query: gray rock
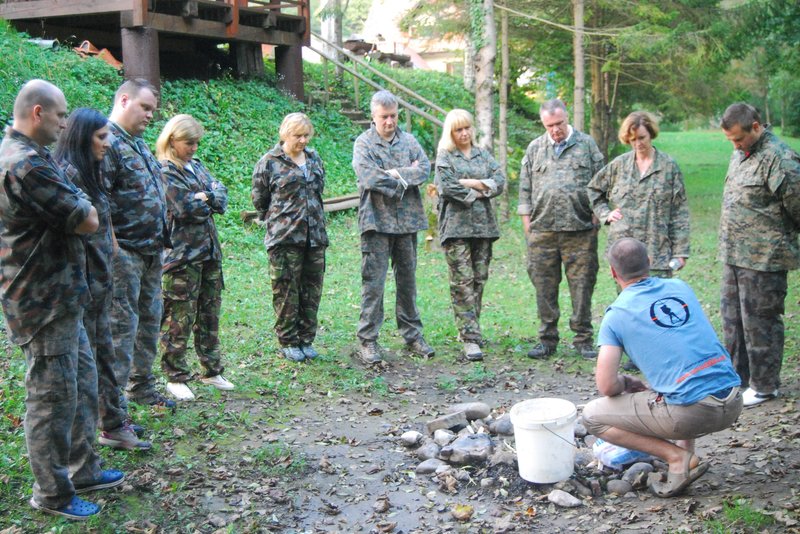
pixel 502 457
pixel 444 468
pixel 636 475
pixel 431 465
pixel 594 485
pixel 472 449
pixel 581 490
pixel 618 487
pixel 442 437
pixel 453 421
pixel 502 425
pixel 412 438
pixel 583 458
pixel 473 410
pixel 563 499
pixel 580 430
pixel 463 476
pixel 487 482
pixel 427 451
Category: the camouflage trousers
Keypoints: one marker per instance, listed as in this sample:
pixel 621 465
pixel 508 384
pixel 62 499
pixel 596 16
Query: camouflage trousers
pixel 468 265
pixel 61 408
pixel 376 251
pixel 192 303
pixel 296 273
pixel 111 414
pixel 136 320
pixel 752 308
pixel 577 251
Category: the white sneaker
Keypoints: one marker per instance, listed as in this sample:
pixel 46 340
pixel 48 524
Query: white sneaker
pixel 751 397
pixel 219 382
pixel 180 391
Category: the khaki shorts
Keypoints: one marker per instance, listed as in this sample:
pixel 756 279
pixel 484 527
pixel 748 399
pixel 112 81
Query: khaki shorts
pixel 647 414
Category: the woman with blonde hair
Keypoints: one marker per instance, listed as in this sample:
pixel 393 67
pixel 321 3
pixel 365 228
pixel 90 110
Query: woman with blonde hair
pixel 467 177
pixel 192 281
pixel 287 193
pixel 641 194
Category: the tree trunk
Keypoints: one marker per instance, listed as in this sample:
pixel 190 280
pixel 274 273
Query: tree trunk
pixel 502 146
pixel 484 74
pixel 579 90
pixel 469 65
pixel 601 110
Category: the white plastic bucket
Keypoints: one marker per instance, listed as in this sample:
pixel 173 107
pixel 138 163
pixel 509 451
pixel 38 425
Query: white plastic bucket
pixel 544 431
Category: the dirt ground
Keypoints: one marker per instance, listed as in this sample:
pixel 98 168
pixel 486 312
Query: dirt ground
pixel 354 464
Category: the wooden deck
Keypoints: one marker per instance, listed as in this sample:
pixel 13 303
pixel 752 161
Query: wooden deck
pixel 186 34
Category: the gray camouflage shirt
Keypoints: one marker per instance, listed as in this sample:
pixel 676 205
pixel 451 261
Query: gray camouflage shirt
pixel 465 212
pixel 653 205
pixel 761 207
pixel 387 206
pixel 552 189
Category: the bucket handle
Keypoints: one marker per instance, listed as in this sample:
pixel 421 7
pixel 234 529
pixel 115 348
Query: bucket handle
pixel 559 437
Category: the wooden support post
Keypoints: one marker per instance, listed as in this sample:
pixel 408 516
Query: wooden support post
pixel 140 54
pixel 326 81
pixel 248 58
pixel 356 86
pixel 408 120
pixel 289 69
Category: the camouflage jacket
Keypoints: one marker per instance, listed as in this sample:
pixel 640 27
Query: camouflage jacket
pixel 100 244
pixel 465 212
pixel 552 189
pixel 190 221
pixel 386 206
pixel 138 205
pixel 290 203
pixel 654 208
pixel 42 259
pixel 761 207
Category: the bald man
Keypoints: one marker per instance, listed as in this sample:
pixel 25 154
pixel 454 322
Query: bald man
pixel 43 289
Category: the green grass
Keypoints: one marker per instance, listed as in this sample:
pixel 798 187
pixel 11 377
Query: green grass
pixel 739 515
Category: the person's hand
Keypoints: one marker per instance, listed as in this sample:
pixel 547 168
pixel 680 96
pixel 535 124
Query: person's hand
pixel 201 196
pixel 415 163
pixel 614 216
pixel 681 263
pixel 473 184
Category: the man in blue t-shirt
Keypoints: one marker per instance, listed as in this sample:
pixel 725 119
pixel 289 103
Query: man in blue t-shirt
pixel 693 388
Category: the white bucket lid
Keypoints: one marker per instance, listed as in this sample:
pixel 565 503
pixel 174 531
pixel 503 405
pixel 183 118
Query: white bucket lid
pixel 537 413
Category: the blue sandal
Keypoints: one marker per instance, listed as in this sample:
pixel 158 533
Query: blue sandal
pixel 109 478
pixel 77 509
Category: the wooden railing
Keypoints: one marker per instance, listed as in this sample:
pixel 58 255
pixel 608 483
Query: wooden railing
pixel 393 85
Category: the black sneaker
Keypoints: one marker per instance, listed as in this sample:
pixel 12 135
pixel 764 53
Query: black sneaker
pixel 541 351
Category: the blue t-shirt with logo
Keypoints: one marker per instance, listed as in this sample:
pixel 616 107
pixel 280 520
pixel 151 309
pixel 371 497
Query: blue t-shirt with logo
pixel 660 324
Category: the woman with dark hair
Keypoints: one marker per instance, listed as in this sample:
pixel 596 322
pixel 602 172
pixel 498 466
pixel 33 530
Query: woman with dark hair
pixel 80 151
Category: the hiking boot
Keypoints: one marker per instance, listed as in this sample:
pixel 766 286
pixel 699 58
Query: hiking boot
pixel 293 353
pixel 180 391
pixel 109 478
pixel 420 347
pixel 77 509
pixel 586 350
pixel 541 351
pixel 473 351
pixel 124 438
pixel 218 381
pixel 751 397
pixel 370 352
pixel 309 351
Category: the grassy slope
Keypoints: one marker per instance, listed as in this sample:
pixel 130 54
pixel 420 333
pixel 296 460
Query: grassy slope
pixel 234 142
